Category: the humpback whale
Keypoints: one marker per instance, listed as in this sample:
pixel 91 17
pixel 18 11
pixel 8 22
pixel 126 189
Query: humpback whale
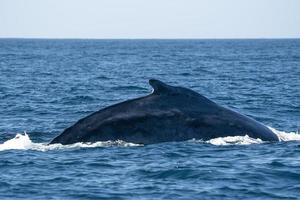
pixel 169 113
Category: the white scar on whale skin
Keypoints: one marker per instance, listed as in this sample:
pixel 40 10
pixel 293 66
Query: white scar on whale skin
pixel 23 142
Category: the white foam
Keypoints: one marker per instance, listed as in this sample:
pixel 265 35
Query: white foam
pixel 246 140
pixel 23 142
pixel 286 136
pixel 18 142
pixel 234 140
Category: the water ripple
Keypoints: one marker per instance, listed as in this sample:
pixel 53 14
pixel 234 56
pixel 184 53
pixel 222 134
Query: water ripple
pixel 46 85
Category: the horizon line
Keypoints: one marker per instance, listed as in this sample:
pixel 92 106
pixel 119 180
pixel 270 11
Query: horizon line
pixel 154 38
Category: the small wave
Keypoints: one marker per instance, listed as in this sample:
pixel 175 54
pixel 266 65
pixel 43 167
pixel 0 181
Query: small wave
pixel 125 88
pixel 23 142
pixel 286 136
pixel 18 142
pixel 234 140
pixel 246 140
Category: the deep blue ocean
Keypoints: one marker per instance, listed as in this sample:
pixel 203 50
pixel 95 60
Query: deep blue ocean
pixel 47 85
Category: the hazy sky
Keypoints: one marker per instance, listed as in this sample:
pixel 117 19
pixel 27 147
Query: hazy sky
pixel 150 18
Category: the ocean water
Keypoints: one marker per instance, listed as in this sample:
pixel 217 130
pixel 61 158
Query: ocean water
pixel 47 85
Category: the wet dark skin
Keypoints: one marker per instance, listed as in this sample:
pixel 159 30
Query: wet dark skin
pixel 168 114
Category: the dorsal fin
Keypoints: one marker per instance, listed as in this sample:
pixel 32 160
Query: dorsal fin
pixel 159 87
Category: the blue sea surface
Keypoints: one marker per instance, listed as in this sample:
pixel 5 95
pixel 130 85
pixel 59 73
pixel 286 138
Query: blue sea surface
pixel 47 85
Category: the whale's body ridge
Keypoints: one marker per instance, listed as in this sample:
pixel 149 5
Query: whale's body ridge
pixel 168 114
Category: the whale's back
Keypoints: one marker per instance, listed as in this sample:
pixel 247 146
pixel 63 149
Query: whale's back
pixel 168 114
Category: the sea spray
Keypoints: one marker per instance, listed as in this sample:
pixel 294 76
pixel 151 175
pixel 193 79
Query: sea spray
pixel 23 142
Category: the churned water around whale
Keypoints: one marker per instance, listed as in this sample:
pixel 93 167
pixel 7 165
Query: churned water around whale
pixel 47 85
